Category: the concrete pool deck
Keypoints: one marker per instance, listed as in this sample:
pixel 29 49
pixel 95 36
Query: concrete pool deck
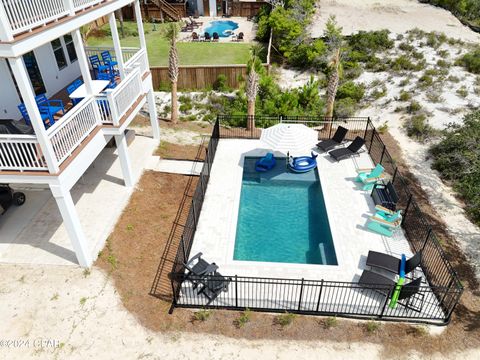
pixel 348 208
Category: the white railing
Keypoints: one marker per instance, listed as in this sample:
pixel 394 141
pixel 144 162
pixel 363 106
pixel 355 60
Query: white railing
pixel 121 99
pixel 21 153
pixel 25 15
pixel 127 52
pixel 83 4
pixel 138 60
pixel 68 133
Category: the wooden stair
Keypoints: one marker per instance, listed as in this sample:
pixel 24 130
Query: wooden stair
pixel 168 10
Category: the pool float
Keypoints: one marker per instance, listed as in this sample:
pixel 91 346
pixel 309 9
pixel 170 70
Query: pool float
pixel 398 287
pixel 266 163
pixel 303 164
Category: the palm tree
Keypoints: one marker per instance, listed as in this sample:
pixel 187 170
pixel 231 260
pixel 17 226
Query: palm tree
pixel 334 39
pixel 171 34
pixel 251 89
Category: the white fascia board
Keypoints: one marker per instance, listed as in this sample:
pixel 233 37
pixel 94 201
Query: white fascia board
pixel 52 32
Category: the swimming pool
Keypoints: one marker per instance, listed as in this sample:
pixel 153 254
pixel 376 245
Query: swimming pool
pixel 222 27
pixel 282 218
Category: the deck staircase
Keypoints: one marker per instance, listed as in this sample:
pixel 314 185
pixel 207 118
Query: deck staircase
pixel 168 11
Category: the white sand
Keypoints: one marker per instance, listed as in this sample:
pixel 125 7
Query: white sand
pixel 45 303
pixel 396 15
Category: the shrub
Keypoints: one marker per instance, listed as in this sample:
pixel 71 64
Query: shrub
pixel 284 319
pixel 442 63
pixel 413 107
pixel 405 46
pixel 372 326
pixel 330 322
pixel 462 91
pixel 379 93
pixel 382 129
pixel 470 61
pixel 456 158
pixel 221 83
pixel 404 96
pixel 201 315
pixel 402 63
pixel 453 79
pixel 243 319
pixel 434 96
pixel 417 127
pixel 371 41
pixel 351 90
pixel 425 80
pixel 345 107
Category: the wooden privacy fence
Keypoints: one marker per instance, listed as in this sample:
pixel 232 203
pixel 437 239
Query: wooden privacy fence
pixel 194 77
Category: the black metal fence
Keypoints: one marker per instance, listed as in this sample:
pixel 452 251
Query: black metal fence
pixel 434 302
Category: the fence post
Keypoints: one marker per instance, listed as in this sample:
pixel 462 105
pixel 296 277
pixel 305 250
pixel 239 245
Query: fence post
pixel 366 128
pixel 371 141
pixel 426 238
pixel 406 209
pixel 301 294
pixel 208 162
pixel 319 295
pixel 330 131
pixel 385 304
pixel 383 153
pixel 394 174
pixel 182 240
pixel 236 291
pixel 194 217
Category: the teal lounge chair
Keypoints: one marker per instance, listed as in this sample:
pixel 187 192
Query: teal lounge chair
pixel 385 221
pixel 369 177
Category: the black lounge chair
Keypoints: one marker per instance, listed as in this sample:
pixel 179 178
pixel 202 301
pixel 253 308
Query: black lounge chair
pixel 215 36
pixel 207 37
pixel 197 268
pixel 336 140
pixel 352 149
pixel 212 286
pixel 377 282
pixel 391 263
pixel 408 292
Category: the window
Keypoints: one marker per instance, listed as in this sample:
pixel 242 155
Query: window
pixel 72 54
pixel 59 53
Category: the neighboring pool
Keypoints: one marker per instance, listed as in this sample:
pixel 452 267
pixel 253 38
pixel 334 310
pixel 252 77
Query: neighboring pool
pixel 282 218
pixel 222 27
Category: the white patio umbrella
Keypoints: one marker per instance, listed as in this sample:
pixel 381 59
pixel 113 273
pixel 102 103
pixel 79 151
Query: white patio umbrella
pixel 294 138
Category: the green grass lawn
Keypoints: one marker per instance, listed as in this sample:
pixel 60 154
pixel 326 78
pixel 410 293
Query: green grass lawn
pixel 188 52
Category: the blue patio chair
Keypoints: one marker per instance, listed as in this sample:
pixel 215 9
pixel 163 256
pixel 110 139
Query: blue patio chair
pixel 53 106
pixel 108 61
pixel 97 65
pixel 77 83
pixel 45 116
pixel 110 77
pixel 369 177
pixel 70 89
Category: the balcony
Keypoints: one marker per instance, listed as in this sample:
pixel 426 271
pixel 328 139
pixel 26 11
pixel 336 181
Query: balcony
pixel 20 16
pixel 111 108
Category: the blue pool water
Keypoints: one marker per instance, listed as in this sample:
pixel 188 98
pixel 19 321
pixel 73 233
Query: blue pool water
pixel 282 218
pixel 221 27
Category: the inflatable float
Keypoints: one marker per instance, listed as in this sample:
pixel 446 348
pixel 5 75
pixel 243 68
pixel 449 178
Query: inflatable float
pixel 266 163
pixel 303 164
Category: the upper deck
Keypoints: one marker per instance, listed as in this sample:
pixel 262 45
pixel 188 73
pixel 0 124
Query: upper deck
pixel 27 24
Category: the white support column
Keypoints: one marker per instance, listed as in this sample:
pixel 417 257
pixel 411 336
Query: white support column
pixel 116 44
pixel 138 18
pixel 152 109
pixel 122 149
pixel 6 33
pixel 24 85
pixel 82 60
pixel 72 224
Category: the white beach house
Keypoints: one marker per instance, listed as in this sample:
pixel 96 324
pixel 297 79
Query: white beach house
pixel 42 52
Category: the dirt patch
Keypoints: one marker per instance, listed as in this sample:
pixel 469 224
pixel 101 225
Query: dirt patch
pixel 138 242
pixel 168 150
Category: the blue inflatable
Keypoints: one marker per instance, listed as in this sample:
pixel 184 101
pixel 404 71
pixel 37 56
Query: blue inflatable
pixel 266 163
pixel 303 164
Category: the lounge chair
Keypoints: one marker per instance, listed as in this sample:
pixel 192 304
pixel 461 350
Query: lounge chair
pixel 207 37
pixel 240 36
pixel 195 36
pixel 215 37
pixel 336 140
pixel 351 150
pixel 391 263
pixel 385 221
pixel 197 268
pixel 385 195
pixel 369 177
pixel 195 23
pixel 213 286
pixel 46 117
pixel 384 285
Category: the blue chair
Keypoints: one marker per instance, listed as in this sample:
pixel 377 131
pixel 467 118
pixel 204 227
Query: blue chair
pixel 70 89
pixel 52 106
pixel 110 77
pixel 107 60
pixel 97 64
pixel 77 83
pixel 45 116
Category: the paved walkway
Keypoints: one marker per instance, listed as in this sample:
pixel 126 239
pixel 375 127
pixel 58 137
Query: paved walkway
pixel 183 167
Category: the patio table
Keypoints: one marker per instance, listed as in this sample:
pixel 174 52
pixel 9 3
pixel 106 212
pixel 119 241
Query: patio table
pixel 81 92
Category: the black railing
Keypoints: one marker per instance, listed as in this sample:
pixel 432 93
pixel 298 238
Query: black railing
pixel 438 297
